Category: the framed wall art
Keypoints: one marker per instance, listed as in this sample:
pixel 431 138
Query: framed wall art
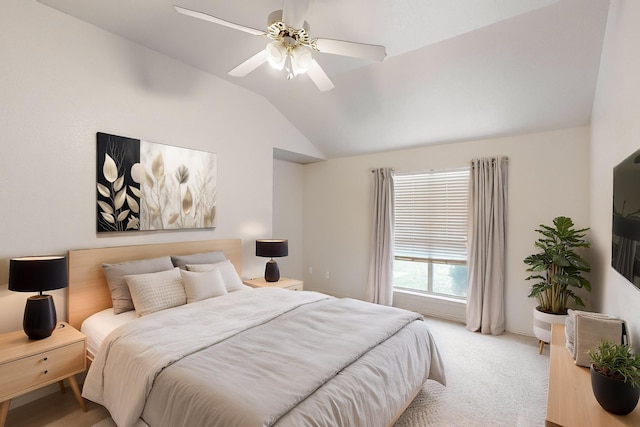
pixel 144 185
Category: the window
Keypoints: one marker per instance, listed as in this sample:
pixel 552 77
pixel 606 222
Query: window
pixel 431 232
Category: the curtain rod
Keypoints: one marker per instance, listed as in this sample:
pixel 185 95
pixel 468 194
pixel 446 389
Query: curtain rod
pixel 501 156
pixel 506 158
pixel 435 170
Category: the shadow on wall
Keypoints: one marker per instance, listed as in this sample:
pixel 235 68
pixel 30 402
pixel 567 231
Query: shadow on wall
pixel 4 277
pixel 148 70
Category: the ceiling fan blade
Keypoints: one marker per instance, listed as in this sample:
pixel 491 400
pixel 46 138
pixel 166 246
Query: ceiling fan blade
pixel 250 64
pixel 319 77
pixel 356 50
pixel 218 21
pixel 294 12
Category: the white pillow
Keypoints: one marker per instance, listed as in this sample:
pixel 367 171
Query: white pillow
pixel 199 286
pixel 153 292
pixel 231 279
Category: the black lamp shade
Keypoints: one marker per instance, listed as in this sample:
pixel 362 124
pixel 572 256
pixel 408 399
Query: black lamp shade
pixel 37 274
pixel 272 248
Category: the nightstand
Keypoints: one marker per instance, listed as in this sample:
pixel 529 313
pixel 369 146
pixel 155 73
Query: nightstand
pixel 27 365
pixel 291 284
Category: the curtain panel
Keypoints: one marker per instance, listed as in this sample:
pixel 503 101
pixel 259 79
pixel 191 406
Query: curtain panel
pixel 487 241
pixel 380 283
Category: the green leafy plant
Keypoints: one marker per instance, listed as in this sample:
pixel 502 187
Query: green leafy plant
pixel 616 361
pixel 558 268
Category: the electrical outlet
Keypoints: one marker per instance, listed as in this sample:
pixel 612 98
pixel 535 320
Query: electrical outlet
pixel 311 270
pixel 326 275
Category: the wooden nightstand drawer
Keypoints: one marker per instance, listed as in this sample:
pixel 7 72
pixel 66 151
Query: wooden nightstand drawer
pixel 297 287
pixel 32 372
pixel 27 365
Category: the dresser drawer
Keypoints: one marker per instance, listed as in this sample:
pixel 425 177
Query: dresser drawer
pixel 298 287
pixel 35 371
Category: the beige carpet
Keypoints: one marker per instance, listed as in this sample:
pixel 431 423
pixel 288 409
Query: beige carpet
pixel 491 381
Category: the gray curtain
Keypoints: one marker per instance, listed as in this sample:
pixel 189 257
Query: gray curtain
pixel 487 241
pixel 380 284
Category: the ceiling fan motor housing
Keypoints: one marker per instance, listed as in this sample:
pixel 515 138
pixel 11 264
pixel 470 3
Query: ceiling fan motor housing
pixel 279 30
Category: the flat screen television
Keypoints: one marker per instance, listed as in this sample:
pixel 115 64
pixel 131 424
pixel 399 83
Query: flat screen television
pixel 625 258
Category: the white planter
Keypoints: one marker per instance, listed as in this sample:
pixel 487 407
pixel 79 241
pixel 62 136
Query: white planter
pixel 542 324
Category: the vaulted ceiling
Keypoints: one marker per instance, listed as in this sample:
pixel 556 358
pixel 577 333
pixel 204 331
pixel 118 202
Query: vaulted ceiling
pixel 455 69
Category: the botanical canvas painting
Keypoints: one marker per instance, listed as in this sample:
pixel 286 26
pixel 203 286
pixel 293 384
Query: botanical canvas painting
pixel 143 185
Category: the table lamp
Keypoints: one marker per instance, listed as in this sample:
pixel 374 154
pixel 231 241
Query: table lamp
pixel 38 274
pixel 272 248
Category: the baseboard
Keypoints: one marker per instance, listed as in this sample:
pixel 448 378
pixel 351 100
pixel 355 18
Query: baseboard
pixel 42 392
pixel 34 395
pixel 432 306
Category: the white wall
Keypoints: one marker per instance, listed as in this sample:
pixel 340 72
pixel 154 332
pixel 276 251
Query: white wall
pixel 61 81
pixel 615 135
pixel 288 214
pixel 548 177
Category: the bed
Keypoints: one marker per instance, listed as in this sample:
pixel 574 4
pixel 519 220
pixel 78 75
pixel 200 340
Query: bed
pixel 251 357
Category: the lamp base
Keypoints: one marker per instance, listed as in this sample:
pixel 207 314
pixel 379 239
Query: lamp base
pixel 40 317
pixel 271 271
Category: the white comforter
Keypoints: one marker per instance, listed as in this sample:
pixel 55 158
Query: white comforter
pixel 274 350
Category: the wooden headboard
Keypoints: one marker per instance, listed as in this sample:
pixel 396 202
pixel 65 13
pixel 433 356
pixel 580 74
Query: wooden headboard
pixel 88 290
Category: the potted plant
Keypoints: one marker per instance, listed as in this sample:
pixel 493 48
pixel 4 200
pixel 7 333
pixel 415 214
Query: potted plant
pixel 557 271
pixel 615 377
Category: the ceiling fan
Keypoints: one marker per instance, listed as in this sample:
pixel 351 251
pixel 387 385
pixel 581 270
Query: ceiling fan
pixel 291 46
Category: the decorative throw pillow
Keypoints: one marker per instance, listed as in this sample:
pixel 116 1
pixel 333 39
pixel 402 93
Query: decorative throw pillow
pixel 114 273
pixel 201 258
pixel 229 274
pixel 153 292
pixel 202 285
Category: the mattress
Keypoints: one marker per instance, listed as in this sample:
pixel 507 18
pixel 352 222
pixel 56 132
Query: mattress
pixel 99 325
pixel 264 357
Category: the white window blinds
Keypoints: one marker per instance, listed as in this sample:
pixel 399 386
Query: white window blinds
pixel 431 215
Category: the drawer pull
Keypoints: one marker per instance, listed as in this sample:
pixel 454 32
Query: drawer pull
pixel 46 358
pixel 46 372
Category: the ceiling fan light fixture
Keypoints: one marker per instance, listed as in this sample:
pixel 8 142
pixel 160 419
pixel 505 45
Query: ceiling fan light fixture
pixel 291 45
pixel 300 60
pixel 277 55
